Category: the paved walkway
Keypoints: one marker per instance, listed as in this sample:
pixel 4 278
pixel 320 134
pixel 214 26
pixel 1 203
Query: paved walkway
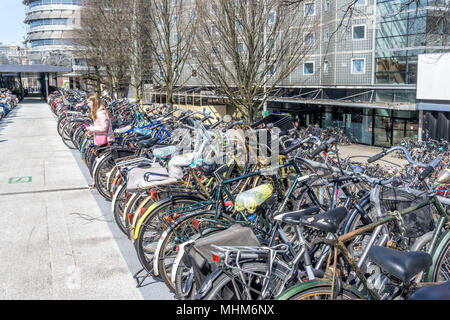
pixel 59 239
pixel 360 153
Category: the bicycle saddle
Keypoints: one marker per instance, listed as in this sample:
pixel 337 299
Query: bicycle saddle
pixel 142 132
pixel 328 221
pixel 436 292
pixel 403 265
pixel 165 152
pixel 293 217
pixel 146 143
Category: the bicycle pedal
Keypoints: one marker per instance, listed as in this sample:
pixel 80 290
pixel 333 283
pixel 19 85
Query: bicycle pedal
pixel 91 186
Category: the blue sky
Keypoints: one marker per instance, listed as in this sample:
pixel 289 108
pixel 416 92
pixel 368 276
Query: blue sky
pixel 12 15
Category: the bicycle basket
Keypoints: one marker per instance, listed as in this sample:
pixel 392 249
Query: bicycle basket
pixel 416 223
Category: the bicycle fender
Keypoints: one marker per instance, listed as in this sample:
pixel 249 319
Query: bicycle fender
pixel 114 199
pixel 158 248
pixel 134 232
pixel 136 216
pixel 207 284
pixel 289 293
pixel 156 204
pixel 178 259
pixel 161 241
pixel 97 162
pixel 445 237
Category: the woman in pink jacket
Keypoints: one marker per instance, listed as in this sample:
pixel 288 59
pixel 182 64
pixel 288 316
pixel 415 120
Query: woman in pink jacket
pixel 102 129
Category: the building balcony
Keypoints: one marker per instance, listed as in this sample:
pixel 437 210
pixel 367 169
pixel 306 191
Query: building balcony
pixel 51 28
pixel 52 7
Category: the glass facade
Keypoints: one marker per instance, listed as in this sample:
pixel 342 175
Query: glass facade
pixel 49 22
pixel 35 3
pixel 49 42
pixel 404 30
pixel 370 126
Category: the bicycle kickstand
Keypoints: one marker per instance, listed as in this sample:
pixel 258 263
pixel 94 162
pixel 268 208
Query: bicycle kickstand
pixel 136 277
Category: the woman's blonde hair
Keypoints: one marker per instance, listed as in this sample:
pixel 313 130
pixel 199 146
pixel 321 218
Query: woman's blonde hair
pixel 97 105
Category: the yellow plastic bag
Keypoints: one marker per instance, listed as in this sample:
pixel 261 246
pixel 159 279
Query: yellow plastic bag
pixel 251 199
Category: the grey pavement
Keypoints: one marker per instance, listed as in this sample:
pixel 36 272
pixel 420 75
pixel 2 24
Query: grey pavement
pixel 59 240
pixel 360 153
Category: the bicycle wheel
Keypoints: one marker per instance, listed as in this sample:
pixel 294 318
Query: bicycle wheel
pixel 101 176
pixel 151 230
pixel 184 229
pixel 67 132
pixel 323 293
pixel 61 122
pixel 132 206
pixel 185 284
pixel 441 272
pixel 118 209
pixel 247 285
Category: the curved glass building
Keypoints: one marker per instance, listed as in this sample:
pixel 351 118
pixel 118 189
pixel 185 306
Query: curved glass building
pixel 50 26
pixel 50 36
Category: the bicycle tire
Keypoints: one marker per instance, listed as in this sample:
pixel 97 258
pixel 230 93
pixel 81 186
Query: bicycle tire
pixel 67 135
pixel 101 175
pixel 185 276
pixel 167 251
pixel 442 265
pixel 223 286
pixel 323 292
pixel 119 206
pixel 152 226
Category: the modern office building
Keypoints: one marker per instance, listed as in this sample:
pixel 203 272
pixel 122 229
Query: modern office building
pixel 50 34
pixel 363 78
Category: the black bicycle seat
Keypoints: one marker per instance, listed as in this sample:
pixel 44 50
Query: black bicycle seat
pixel 435 292
pixel 328 221
pixel 293 217
pixel 402 265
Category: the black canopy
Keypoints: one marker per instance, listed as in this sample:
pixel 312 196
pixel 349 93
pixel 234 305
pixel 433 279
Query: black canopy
pixel 35 68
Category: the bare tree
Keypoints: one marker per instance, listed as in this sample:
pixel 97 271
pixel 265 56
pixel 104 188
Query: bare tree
pixel 169 32
pixel 244 49
pixel 106 43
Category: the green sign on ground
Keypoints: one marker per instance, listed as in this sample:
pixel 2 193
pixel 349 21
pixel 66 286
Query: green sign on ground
pixel 15 180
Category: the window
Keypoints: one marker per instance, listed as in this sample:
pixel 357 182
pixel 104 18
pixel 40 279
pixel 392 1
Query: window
pixel 240 47
pixel 308 68
pixel 175 37
pixel 310 9
pixel 358 66
pixel 361 2
pixel 359 32
pixel 271 18
pixel 325 67
pixel 309 39
pixel 327 6
pixel 194 73
pixel 270 71
pixel 326 35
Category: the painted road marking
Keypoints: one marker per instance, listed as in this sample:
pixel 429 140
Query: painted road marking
pixel 15 180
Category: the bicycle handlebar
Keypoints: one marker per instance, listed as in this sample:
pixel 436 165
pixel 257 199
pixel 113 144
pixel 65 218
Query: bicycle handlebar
pixel 324 146
pixel 427 166
pixel 231 125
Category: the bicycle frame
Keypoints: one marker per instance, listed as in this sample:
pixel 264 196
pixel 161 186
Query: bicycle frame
pixel 438 241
